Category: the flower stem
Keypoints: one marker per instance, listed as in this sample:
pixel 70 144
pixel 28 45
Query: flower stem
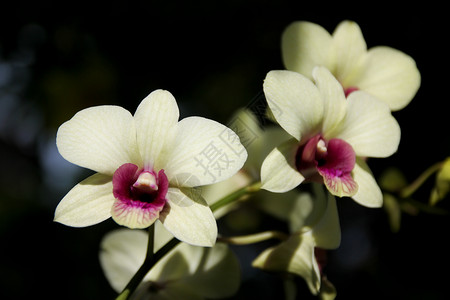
pixel 410 189
pixel 152 258
pixel 236 195
pixel 254 238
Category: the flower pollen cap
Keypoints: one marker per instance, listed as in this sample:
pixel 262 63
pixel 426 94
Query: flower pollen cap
pixel 386 73
pixel 331 136
pixel 148 167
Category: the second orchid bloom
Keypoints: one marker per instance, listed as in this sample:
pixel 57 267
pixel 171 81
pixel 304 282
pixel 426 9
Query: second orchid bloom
pixel 331 135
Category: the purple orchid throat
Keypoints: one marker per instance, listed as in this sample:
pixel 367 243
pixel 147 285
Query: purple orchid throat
pixel 140 188
pixel 318 158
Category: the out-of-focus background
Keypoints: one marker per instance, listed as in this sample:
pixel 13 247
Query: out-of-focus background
pixel 57 58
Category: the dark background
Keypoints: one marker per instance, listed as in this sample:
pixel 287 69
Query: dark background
pixel 57 58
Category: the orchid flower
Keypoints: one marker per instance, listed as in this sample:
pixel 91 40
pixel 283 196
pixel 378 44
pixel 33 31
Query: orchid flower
pixel 148 166
pixel 187 272
pixel 386 73
pixel 331 135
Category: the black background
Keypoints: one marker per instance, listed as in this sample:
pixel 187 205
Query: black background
pixel 213 57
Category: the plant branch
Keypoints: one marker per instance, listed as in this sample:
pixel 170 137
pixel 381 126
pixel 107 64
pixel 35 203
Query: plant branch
pixel 416 184
pixel 254 238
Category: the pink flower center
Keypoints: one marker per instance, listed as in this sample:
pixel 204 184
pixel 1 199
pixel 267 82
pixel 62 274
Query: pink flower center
pixel 350 90
pixel 330 162
pixel 140 189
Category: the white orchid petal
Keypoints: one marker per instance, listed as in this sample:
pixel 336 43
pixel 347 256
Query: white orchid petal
pixel 390 75
pixel 369 126
pixel 122 252
pixel 88 203
pixel 327 232
pixel 156 120
pixel 333 97
pixel 189 218
pixel 278 171
pixel 349 49
pixel 217 275
pixel 296 255
pixel 99 138
pixel 304 46
pixel 369 193
pixel 295 102
pixel 204 152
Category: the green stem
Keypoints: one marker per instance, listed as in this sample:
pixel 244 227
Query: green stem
pixel 410 189
pixel 236 195
pixel 151 241
pixel 140 274
pixel 254 238
pixel 149 262
pixel 151 259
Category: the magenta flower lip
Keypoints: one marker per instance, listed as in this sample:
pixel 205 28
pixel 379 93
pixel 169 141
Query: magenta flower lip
pixel 330 162
pixel 132 191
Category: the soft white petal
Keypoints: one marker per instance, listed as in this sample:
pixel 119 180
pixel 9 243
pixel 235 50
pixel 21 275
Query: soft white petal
pixel 390 75
pixel 308 209
pixel 296 255
pixel 245 124
pixel 295 103
pixel 304 46
pixel 156 120
pixel 327 232
pixel 278 171
pixel 218 273
pixel 88 203
pixel 369 126
pixel 333 98
pixel 317 212
pixel 122 252
pixel 204 152
pixel 173 265
pixel 369 193
pixel 188 217
pixel 99 138
pixel 349 49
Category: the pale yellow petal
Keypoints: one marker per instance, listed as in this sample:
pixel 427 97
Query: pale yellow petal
pixel 369 126
pixel 349 49
pixel 156 122
pixel 295 103
pixel 369 193
pixel 304 46
pixel 188 217
pixel 390 75
pixel 99 138
pixel 296 255
pixel 204 152
pixel 334 101
pixel 88 203
pixel 278 172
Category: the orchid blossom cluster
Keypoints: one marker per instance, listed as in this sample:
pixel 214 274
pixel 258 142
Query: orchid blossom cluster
pixel 331 111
